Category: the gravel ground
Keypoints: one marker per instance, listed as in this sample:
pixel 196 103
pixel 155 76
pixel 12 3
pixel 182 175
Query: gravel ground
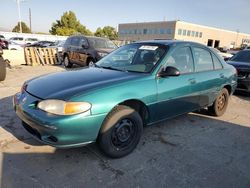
pixel 193 150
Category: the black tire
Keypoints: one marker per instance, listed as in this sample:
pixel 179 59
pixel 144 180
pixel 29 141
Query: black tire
pixel 121 132
pixel 2 69
pixel 66 62
pixel 220 104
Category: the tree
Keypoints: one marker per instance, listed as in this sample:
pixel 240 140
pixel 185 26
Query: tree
pixel 107 31
pixel 68 25
pixel 25 28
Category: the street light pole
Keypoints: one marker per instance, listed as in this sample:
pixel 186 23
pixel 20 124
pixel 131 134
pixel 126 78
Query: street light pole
pixel 19 16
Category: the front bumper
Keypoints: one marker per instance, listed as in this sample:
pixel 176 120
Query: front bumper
pixel 58 131
pixel 243 84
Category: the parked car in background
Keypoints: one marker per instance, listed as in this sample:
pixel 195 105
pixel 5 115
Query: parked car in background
pixel 111 102
pixel 40 44
pixel 4 43
pixel 224 55
pixel 241 61
pixel 85 50
pixel 58 45
pixel 2 66
pixel 14 46
pixel 18 40
pixel 31 40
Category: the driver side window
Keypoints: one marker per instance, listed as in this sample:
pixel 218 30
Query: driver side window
pixel 182 60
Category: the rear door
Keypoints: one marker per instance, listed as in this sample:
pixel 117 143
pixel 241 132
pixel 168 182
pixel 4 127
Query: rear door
pixel 209 74
pixel 176 95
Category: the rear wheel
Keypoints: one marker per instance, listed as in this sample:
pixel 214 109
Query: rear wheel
pixel 2 69
pixel 121 132
pixel 66 62
pixel 220 104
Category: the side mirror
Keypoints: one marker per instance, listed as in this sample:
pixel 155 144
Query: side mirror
pixel 169 71
pixel 85 46
pixel 226 58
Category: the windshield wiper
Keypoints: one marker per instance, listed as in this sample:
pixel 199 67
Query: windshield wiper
pixel 111 68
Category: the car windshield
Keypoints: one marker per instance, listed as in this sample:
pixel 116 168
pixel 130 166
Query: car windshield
pixel 31 39
pixel 101 43
pixel 242 56
pixel 134 58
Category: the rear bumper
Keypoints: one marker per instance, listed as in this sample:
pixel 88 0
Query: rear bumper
pixel 57 131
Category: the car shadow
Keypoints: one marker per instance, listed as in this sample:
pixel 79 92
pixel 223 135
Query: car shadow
pixel 192 150
pixel 243 95
pixel 12 124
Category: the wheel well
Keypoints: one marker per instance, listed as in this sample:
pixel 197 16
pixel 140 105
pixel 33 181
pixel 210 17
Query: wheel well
pixel 90 58
pixel 229 89
pixel 64 55
pixel 140 107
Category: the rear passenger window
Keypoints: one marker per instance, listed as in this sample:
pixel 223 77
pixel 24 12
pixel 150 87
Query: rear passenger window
pixel 182 60
pixel 203 59
pixel 217 63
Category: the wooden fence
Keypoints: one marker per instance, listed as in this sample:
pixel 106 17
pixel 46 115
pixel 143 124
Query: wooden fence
pixel 40 56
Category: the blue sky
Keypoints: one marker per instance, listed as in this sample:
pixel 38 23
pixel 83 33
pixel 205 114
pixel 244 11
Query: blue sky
pixel 226 14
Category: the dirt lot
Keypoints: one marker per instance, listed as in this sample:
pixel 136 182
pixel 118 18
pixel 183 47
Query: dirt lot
pixel 193 150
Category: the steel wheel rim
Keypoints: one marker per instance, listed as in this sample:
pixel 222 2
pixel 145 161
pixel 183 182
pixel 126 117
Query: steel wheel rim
pixel 91 64
pixel 66 61
pixel 123 133
pixel 221 103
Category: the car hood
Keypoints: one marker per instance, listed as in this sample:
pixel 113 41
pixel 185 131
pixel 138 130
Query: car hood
pixel 65 85
pixel 239 65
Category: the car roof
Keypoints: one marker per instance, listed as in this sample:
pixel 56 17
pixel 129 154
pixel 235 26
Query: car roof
pixel 92 37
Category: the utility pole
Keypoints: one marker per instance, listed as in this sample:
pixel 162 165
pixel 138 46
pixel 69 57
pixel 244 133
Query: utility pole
pixel 19 16
pixel 236 42
pixel 30 19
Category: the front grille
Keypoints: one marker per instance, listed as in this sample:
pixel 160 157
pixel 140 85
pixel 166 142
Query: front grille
pixel 31 130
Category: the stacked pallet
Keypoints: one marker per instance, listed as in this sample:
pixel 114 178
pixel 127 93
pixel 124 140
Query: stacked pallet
pixel 40 56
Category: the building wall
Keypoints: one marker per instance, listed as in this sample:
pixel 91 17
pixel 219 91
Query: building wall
pixel 182 31
pixel 146 31
pixel 226 39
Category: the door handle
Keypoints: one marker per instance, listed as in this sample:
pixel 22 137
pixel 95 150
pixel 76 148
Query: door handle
pixel 192 81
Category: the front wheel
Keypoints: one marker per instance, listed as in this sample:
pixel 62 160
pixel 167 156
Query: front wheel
pixel 220 104
pixel 121 132
pixel 91 62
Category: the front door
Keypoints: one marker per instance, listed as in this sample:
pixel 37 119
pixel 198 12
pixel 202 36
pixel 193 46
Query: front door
pixel 82 52
pixel 73 49
pixel 177 95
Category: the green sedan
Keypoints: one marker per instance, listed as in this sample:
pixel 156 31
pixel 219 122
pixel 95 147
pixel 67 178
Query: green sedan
pixel 136 85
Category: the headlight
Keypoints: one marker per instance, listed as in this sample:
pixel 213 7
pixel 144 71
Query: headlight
pixel 102 54
pixel 59 107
